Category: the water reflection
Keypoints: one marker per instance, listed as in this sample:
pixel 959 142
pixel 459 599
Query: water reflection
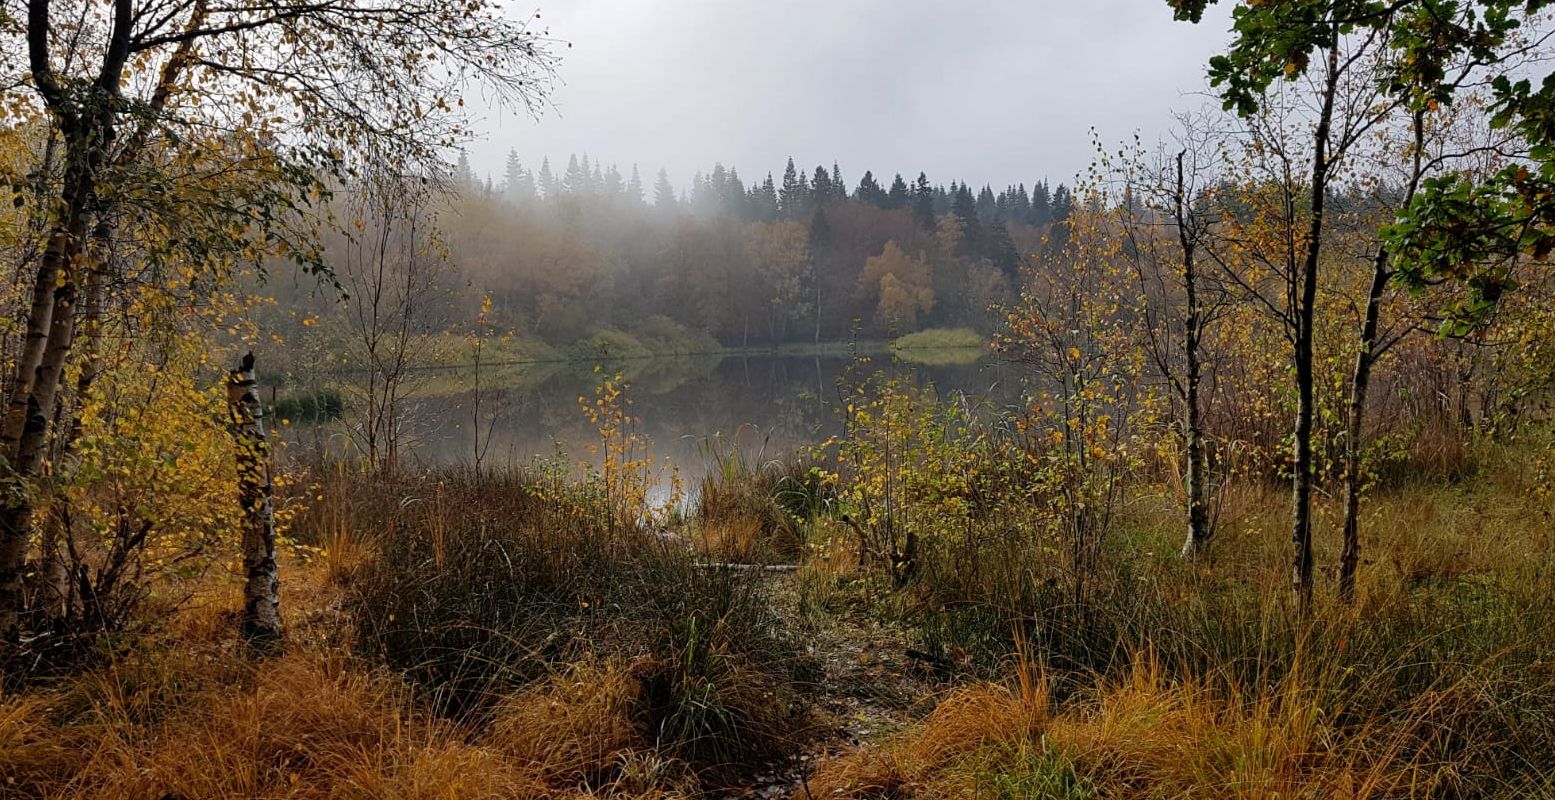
pixel 770 405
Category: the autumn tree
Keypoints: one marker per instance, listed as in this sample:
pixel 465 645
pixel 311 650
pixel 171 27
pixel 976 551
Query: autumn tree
pixel 779 254
pixel 1167 220
pixel 1409 58
pixel 392 264
pixel 287 92
pixel 901 286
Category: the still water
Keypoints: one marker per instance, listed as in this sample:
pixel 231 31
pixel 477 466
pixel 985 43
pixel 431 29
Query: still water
pixel 769 406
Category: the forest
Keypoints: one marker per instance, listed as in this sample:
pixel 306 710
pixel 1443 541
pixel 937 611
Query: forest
pixel 1260 504
pixel 565 254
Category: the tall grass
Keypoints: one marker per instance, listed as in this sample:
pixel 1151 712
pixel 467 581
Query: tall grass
pixel 484 584
pixel 1169 679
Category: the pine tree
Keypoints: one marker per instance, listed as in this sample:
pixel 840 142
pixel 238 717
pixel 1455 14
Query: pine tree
pixel 986 204
pixel 610 185
pixel 839 189
pixel 1041 205
pixel 517 185
pixel 821 186
pixel 791 196
pixel 923 202
pixel 899 196
pixel 663 192
pixel 464 177
pixel 634 187
pixel 548 187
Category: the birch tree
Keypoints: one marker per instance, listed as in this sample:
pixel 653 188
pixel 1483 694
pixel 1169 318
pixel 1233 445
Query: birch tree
pixel 146 97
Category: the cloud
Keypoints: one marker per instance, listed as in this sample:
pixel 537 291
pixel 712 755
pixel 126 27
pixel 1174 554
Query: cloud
pixel 988 91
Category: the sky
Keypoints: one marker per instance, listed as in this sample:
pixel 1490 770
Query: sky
pixel 985 91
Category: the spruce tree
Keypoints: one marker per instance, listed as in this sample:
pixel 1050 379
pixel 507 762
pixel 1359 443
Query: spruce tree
pixel 1041 205
pixel 663 192
pixel 869 191
pixel 923 202
pixel 573 180
pixel 821 187
pixel 1063 203
pixel 548 187
pixel 791 196
pixel 986 204
pixel 899 195
pixel 634 187
pixel 517 185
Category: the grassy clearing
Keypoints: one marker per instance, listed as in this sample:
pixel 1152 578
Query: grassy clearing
pixel 941 339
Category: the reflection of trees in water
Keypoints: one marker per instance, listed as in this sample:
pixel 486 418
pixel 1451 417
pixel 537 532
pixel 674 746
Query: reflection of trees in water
pixel 774 403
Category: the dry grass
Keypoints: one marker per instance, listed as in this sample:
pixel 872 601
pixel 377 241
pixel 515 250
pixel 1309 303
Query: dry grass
pixel 1145 735
pixel 190 717
pixel 1202 680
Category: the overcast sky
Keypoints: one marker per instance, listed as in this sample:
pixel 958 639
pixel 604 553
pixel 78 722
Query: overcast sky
pixel 987 91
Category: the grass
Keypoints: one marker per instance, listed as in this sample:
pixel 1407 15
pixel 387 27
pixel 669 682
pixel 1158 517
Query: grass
pixel 941 347
pixel 502 635
pixel 455 635
pixel 1175 680
pixel 941 339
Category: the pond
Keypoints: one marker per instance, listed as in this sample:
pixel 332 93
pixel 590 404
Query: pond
pixel 767 405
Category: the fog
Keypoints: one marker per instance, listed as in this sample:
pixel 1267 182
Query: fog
pixel 995 91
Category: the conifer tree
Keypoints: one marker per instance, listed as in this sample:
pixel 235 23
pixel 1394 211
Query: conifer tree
pixel 899 196
pixel 663 192
pixel 517 184
pixel 923 202
pixel 869 191
pixel 1041 205
pixel 574 180
pixel 791 197
pixel 547 180
pixel 634 187
pixel 821 190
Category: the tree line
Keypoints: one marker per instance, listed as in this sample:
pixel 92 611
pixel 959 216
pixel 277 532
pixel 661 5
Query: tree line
pixel 799 258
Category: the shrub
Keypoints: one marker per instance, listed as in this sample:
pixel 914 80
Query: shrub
pixel 487 582
pixel 310 405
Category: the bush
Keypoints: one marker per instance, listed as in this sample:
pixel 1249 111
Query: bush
pixel 310 405
pixel 486 583
pixel 941 339
pixel 754 511
pixel 608 344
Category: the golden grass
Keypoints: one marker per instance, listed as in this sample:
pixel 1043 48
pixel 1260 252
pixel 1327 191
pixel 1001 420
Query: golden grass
pixel 1138 736
pixel 190 717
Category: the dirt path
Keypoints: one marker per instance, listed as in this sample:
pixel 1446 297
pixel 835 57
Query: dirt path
pixel 870 688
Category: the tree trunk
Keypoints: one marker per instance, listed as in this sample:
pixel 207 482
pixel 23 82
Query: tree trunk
pixel 261 623
pixel 50 330
pixel 1359 384
pixel 1306 308
pixel 1199 531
